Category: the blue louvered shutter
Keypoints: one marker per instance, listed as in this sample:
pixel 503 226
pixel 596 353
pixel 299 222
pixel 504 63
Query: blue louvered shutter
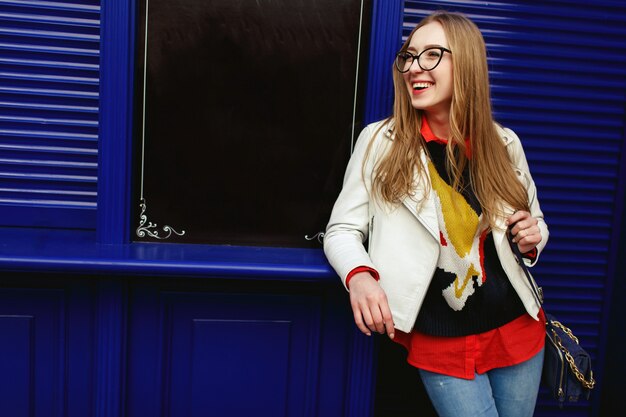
pixel 49 70
pixel 558 79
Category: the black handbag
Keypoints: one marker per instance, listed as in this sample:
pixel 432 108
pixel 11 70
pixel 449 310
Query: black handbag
pixel 566 366
pixel 567 369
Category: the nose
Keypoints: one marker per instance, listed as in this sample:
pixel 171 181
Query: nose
pixel 415 66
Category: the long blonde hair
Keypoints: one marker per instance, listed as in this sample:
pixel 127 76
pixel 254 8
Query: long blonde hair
pixel 492 175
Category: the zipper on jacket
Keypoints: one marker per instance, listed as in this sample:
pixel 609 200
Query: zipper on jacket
pixel 371 230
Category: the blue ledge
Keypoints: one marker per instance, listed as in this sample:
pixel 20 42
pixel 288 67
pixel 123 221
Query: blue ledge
pixel 77 252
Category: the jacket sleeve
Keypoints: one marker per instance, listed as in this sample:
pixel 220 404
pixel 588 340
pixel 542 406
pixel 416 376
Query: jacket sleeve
pixel 348 226
pixel 518 158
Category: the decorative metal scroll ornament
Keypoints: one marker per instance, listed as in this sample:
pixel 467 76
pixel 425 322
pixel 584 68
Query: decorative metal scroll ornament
pixel 147 228
pixel 319 236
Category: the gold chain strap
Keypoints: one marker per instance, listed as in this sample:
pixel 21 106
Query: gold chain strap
pixel 570 359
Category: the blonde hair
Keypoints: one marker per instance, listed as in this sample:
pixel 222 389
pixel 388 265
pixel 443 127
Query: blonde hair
pixel 492 175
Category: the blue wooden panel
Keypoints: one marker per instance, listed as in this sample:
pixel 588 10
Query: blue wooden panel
pixel 110 350
pixel 273 350
pixel 41 371
pixel 45 349
pixel 115 117
pixel 49 112
pixel 16 364
pixel 46 250
pixel 293 320
pixel 234 359
pixel 385 36
pixel 17 215
pixel 78 386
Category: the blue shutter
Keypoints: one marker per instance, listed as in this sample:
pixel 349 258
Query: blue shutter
pixel 49 71
pixel 558 79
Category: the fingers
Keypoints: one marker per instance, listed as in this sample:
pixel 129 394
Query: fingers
pixel 358 319
pixel 523 225
pixel 525 230
pixel 371 309
pixel 527 235
pixel 517 217
pixel 372 314
pixel 388 320
pixel 521 220
pixel 526 244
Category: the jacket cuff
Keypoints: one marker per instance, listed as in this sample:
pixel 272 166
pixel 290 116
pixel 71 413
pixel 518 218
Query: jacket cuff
pixel 358 269
pixel 531 255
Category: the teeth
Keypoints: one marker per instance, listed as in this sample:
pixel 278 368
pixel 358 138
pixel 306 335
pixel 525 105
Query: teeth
pixel 420 86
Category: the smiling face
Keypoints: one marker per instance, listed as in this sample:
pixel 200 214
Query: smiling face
pixel 430 91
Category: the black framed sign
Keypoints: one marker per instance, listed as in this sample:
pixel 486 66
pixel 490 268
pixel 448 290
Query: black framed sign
pixel 246 112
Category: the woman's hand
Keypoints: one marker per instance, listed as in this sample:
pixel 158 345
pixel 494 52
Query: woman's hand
pixel 369 305
pixel 525 230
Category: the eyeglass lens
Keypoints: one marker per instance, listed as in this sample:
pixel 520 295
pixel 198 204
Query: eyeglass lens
pixel 427 60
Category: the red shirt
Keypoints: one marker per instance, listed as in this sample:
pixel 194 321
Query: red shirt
pixel 463 356
pixel 510 344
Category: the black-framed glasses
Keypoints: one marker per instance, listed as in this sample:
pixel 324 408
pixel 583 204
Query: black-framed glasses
pixel 427 60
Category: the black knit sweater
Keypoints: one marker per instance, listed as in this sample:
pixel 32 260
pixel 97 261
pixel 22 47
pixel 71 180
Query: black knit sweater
pixel 470 292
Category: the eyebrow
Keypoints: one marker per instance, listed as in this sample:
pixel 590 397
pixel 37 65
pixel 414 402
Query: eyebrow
pixel 434 45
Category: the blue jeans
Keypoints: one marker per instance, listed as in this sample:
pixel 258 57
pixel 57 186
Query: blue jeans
pixel 502 392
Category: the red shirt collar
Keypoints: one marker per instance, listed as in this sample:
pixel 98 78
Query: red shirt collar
pixel 429 136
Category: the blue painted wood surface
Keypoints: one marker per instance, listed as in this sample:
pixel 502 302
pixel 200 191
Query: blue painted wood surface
pixel 112 345
pixel 49 113
pixel 115 118
pixel 47 250
pixel 234 353
pixel 153 329
pixel 46 348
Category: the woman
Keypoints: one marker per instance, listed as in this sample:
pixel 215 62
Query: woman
pixel 437 190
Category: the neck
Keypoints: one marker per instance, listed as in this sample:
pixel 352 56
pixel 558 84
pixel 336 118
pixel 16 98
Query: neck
pixel 439 125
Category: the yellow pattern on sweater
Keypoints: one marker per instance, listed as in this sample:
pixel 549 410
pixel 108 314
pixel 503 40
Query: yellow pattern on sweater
pixel 460 229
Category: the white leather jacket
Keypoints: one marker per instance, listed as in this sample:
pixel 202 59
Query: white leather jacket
pixel 404 240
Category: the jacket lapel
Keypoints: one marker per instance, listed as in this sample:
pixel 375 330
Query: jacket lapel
pixel 427 213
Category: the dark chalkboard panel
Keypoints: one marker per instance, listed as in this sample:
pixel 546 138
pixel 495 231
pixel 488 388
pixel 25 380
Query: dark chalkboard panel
pixel 246 111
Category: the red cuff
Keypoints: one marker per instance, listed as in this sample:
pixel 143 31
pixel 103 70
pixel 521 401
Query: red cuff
pixel 531 254
pixel 358 269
